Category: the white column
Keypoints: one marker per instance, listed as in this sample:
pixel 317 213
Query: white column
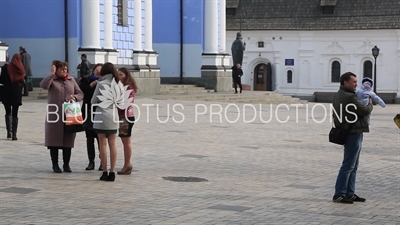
pixel 138 25
pixel 210 26
pixel 149 25
pixel 223 26
pixel 108 24
pixel 90 24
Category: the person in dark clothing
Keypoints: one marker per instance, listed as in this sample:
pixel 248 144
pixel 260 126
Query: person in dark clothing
pixel 237 74
pixel 12 77
pixel 88 85
pixel 349 115
pixel 84 67
pixel 26 62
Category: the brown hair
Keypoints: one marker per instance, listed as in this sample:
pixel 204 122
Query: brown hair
pixel 346 77
pixel 129 80
pixel 97 65
pixel 16 69
pixel 60 64
pixel 109 68
pixel 54 62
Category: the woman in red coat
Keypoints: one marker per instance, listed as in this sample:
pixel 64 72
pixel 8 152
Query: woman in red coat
pixel 12 79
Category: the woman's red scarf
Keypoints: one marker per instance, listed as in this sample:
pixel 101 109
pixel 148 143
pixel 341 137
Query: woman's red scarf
pixel 65 77
pixel 16 69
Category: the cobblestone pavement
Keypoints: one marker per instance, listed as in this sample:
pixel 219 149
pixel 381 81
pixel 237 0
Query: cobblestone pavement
pixel 258 172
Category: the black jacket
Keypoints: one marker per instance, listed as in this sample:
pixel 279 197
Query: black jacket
pixel 84 68
pixel 236 72
pixel 84 85
pixel 346 101
pixel 11 93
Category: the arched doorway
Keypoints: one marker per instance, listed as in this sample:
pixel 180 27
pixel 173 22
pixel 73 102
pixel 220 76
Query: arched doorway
pixel 263 77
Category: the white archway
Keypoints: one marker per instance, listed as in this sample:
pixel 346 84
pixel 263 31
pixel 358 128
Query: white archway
pixel 253 64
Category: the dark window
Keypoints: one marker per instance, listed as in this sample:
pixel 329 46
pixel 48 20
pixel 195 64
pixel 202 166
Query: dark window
pixel 261 44
pixel 335 71
pixel 289 76
pixel 120 13
pixel 368 69
pixel 327 9
pixel 230 11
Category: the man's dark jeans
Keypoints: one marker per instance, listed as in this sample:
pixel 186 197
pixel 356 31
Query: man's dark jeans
pixel 346 180
pixel 26 87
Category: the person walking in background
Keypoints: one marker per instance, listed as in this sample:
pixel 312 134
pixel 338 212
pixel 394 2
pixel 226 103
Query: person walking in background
pixel 84 67
pixel 105 121
pixel 88 85
pixel 12 77
pixel 127 119
pixel 237 74
pixel 351 118
pixel 61 88
pixel 26 61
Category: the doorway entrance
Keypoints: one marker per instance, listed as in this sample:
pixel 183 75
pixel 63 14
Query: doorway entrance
pixel 263 77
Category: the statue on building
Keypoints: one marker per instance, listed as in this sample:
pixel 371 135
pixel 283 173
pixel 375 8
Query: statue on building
pixel 238 47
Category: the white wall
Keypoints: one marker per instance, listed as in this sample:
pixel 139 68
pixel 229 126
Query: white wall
pixel 313 52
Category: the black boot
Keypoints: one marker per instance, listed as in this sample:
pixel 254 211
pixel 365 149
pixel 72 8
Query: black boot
pixel 14 128
pixel 90 166
pixel 54 160
pixel 91 151
pixel 66 158
pixel 8 125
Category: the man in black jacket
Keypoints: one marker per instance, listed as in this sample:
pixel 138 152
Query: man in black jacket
pixel 237 74
pixel 84 67
pixel 26 61
pixel 349 115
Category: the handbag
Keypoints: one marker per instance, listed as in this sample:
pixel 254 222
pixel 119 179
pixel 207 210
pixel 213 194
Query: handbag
pixel 73 114
pixel 339 135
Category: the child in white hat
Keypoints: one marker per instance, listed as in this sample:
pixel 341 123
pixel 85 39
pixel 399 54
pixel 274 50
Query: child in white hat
pixel 365 92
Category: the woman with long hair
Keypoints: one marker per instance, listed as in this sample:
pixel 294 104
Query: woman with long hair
pixel 127 119
pixel 105 122
pixel 88 85
pixel 12 78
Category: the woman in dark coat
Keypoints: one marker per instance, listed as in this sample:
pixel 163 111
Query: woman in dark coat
pixel 12 78
pixel 88 85
pixel 61 88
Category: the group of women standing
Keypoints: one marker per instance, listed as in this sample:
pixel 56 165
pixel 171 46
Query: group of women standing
pixel 101 127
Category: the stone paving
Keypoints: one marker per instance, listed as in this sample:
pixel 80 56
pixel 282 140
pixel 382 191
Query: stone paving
pixel 257 172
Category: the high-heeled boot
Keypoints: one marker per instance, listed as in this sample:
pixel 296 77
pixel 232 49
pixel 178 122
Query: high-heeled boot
pixel 54 160
pixel 66 159
pixel 14 128
pixel 8 125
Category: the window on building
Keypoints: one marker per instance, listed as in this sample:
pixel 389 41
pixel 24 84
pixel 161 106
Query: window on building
pixel 289 76
pixel 122 12
pixel 230 11
pixel 368 69
pixel 261 44
pixel 335 71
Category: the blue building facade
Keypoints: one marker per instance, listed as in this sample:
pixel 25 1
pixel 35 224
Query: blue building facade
pixel 54 29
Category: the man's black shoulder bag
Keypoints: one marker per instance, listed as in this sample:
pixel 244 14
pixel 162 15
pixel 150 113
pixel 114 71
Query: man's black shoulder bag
pixel 338 135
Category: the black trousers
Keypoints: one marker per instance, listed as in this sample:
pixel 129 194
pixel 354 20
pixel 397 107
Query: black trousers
pixel 26 87
pixel 91 150
pixel 54 155
pixel 237 81
pixel 11 110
